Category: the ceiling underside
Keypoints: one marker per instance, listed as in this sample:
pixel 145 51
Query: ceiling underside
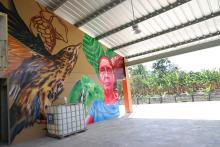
pixel 168 27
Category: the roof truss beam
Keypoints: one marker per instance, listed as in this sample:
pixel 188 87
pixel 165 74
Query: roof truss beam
pixel 174 45
pixel 176 52
pixel 143 18
pixel 100 11
pixel 168 30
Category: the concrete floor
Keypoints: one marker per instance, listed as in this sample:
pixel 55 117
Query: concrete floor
pixel 139 129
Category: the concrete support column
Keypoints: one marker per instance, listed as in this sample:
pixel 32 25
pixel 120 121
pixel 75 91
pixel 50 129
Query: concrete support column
pixel 127 93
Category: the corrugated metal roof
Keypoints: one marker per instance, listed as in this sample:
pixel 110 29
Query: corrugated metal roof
pixel 203 13
pixel 181 35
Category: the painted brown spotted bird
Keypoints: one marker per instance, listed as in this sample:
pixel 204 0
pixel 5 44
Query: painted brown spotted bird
pixel 39 79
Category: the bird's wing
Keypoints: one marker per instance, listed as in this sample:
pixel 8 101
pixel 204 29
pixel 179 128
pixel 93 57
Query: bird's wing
pixel 16 55
pixel 25 87
pixel 18 29
pixel 30 73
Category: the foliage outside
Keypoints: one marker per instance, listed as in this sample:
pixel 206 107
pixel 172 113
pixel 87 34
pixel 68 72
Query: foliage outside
pixel 167 79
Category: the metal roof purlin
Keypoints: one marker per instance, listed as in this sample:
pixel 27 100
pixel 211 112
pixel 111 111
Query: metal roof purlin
pixel 143 18
pixel 100 11
pixel 168 30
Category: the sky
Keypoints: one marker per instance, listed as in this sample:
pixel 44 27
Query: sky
pixel 195 61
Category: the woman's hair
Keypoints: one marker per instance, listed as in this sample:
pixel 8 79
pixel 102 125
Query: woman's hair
pixel 105 57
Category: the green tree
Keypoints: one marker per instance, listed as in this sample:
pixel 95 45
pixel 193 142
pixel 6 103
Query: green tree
pixel 166 78
pixel 138 70
pixel 163 66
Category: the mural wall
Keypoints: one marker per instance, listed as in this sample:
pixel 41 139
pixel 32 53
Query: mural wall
pixel 50 59
pixel 101 101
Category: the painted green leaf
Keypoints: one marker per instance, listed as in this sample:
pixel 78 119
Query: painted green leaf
pixel 91 91
pixel 110 53
pixel 85 90
pixel 93 51
pixel 75 93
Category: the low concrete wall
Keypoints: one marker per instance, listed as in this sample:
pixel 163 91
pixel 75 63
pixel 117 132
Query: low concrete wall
pixel 215 96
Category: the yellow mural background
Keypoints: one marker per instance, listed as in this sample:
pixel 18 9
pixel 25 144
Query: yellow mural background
pixel 27 9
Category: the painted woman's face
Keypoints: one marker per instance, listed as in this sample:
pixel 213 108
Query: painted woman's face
pixel 106 73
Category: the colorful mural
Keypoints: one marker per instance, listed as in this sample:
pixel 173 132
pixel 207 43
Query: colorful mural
pixel 109 67
pixel 45 65
pixel 38 80
pixel 108 108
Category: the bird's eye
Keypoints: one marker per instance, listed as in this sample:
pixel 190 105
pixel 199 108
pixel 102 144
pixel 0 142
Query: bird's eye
pixel 69 49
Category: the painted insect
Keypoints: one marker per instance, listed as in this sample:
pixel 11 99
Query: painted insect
pixel 43 24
